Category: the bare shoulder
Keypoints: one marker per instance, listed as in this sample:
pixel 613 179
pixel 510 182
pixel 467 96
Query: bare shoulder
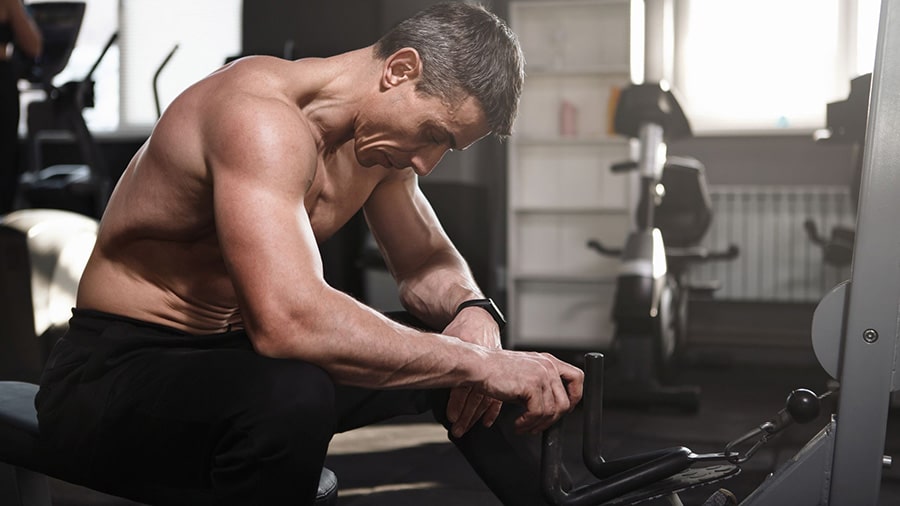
pixel 246 121
pixel 249 103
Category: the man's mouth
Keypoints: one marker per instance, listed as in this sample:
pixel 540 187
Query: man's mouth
pixel 388 163
pixel 391 163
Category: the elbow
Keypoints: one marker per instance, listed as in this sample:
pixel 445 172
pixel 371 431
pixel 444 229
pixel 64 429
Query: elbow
pixel 268 345
pixel 273 341
pixel 283 336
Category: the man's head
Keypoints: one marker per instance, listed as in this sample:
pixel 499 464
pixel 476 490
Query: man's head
pixel 465 50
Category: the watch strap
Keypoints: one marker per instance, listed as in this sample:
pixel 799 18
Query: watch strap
pixel 489 306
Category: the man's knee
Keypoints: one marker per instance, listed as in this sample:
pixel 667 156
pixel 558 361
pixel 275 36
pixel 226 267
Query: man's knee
pixel 274 447
pixel 292 404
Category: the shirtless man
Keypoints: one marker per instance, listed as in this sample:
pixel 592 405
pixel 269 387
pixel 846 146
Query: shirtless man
pixel 208 355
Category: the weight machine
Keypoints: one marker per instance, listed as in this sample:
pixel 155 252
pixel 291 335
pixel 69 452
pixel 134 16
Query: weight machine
pixel 85 187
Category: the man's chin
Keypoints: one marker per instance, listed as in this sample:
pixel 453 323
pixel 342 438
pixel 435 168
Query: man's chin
pixel 369 161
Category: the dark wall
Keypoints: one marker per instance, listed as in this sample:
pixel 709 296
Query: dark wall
pixel 312 28
pixel 770 160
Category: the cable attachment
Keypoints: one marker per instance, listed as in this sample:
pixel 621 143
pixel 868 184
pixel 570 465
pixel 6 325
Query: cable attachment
pixel 802 406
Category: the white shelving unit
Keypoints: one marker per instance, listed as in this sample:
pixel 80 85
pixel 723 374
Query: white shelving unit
pixel 561 192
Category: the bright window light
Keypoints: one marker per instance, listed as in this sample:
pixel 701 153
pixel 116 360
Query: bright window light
pixel 101 20
pixel 765 65
pixel 206 32
pixel 867 33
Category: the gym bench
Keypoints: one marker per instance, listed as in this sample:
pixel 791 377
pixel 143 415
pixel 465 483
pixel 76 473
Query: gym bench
pixel 25 462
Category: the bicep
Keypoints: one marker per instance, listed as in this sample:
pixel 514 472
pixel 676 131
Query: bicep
pixel 264 232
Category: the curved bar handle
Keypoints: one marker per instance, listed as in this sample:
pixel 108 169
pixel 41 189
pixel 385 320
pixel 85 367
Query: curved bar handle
pixel 615 477
pixel 606 489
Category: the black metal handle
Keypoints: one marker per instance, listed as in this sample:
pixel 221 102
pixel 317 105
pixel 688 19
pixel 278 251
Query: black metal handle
pixel 156 79
pixel 616 477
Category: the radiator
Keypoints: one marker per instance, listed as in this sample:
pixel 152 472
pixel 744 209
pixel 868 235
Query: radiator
pixel 777 261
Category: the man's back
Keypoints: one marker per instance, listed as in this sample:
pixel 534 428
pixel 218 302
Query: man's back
pixel 158 257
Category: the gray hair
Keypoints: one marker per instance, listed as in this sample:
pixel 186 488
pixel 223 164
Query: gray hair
pixel 465 50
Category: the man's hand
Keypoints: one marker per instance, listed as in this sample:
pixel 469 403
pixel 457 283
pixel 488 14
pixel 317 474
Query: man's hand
pixel 547 387
pixel 467 406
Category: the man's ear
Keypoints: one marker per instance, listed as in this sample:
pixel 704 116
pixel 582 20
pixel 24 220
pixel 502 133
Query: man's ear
pixel 402 66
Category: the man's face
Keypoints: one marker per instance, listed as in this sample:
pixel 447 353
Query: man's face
pixel 411 129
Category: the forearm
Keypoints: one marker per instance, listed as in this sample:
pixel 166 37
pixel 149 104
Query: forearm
pixel 360 347
pixel 437 287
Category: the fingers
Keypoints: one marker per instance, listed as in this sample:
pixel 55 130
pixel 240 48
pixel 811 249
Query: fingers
pixel 455 404
pixel 574 379
pixel 466 407
pixel 556 396
pixel 492 412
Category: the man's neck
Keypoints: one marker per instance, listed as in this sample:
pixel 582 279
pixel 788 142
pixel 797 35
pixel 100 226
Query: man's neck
pixel 337 90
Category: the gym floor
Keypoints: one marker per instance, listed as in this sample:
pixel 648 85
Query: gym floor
pixel 410 462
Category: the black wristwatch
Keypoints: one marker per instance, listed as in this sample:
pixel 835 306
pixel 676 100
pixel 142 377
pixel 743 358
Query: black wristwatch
pixel 489 306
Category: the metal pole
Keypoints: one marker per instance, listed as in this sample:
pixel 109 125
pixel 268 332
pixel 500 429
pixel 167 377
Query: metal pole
pixel 870 335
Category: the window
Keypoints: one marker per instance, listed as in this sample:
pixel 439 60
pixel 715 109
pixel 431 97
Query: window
pixel 207 31
pixel 769 65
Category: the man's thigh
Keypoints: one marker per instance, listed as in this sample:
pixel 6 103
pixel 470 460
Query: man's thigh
pixel 357 407
pixel 161 417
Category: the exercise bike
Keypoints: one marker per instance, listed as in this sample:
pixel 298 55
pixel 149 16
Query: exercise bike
pixel 83 188
pixel 845 124
pixel 650 309
pixel 856 339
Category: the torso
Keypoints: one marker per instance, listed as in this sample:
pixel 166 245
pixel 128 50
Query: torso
pixel 157 256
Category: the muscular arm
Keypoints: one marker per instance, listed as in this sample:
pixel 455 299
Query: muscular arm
pixel 432 277
pixel 261 169
pixel 261 163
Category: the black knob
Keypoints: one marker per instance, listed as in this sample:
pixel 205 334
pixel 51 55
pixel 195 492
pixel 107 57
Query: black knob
pixel 803 405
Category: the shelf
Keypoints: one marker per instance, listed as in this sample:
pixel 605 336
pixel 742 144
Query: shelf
pixel 616 72
pixel 574 176
pixel 587 103
pixel 570 141
pixel 591 35
pixel 550 313
pixel 608 210
pixel 563 278
pixel 561 191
